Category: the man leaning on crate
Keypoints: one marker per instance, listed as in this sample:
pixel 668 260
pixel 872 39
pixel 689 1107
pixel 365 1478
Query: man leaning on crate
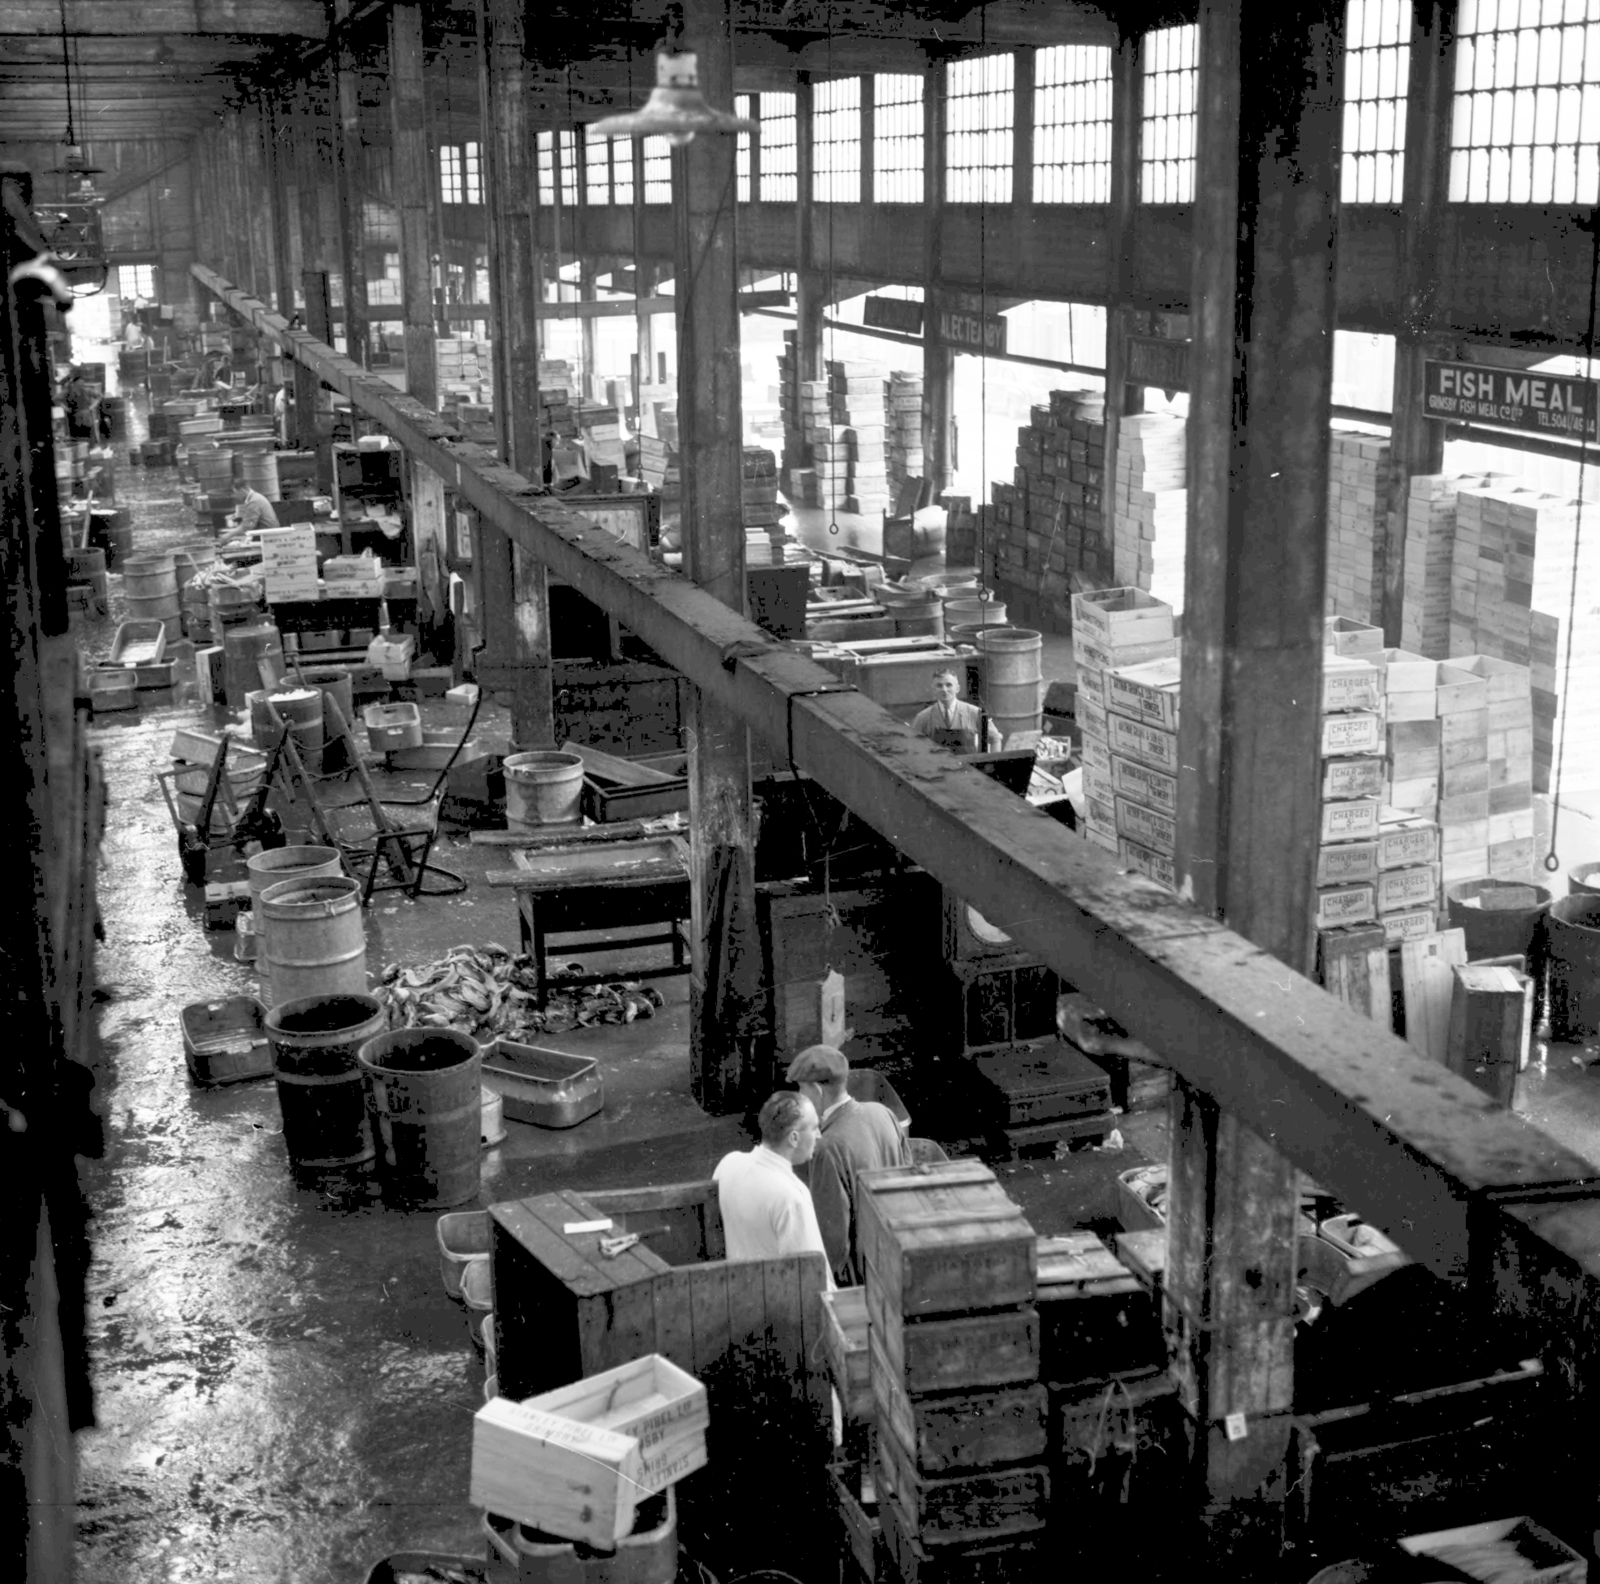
pixel 857 1136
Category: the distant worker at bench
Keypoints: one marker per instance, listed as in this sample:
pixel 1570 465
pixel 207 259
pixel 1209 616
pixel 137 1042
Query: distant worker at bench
pixel 951 722
pixel 766 1210
pixel 857 1136
pixel 254 511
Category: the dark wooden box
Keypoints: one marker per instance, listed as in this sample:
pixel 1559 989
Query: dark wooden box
pixel 1038 1081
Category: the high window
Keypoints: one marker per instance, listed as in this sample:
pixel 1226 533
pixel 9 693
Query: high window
pixel 836 141
pixel 979 109
pixel 567 161
pixel 545 160
pixel 136 280
pixel 897 138
pixel 596 168
pixel 657 170
pixel 1166 156
pixel 1526 127
pixel 1072 124
pixel 460 173
pixel 1377 61
pixel 744 108
pixel 779 171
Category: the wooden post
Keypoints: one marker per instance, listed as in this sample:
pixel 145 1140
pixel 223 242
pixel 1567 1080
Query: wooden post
pixel 277 123
pixel 811 284
pixel 1265 230
pixel 587 293
pixel 711 438
pixel 344 114
pixel 513 586
pixel 312 170
pixel 644 327
pixel 1127 125
pixel 938 362
pixel 413 178
pixel 1416 442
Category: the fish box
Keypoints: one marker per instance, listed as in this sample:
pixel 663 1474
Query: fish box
pixel 139 642
pixel 1347 636
pixel 1153 831
pixel 544 1087
pixel 1121 616
pixel 1096 1319
pixel 392 726
pixel 1410 924
pixel 225 1041
pixel 944 1238
pixel 1353 819
pixel 1147 744
pixel 1516 1548
pixel 1152 865
pixel 965 1352
pixel 985 1504
pixel 1344 905
pixel 1039 1081
pixel 1350 683
pixel 856 1502
pixel 1354 732
pixel 1360 776
pixel 1347 863
pixel 1407 888
pixel 1146 693
pixel 1154 789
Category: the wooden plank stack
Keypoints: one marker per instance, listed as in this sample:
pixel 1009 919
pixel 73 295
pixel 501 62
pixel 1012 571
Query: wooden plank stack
pixel 951 1269
pixel 1358 493
pixel 1149 521
pixel 759 494
pixel 1509 747
pixel 1120 631
pixel 1351 745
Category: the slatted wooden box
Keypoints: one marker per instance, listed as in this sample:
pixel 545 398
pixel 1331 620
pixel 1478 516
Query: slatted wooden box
pixel 964 1508
pixel 998 1561
pixel 943 1238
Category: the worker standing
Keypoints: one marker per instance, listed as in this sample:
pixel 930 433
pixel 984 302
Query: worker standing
pixel 951 722
pixel 253 511
pixel 856 1136
pixel 766 1210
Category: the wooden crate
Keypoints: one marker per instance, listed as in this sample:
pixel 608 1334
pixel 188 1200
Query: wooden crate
pixel 998 1347
pixel 960 1509
pixel 1010 1561
pixel 961 1430
pixel 860 1528
pixel 1096 1319
pixel 1114 1437
pixel 944 1238
pixel 1039 1081
pixel 844 1313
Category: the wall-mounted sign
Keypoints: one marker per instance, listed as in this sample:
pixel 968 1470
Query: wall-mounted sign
pixel 1152 360
pixel 1547 404
pixel 893 313
pixel 970 332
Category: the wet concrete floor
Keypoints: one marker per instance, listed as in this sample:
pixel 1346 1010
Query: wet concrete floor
pixel 283 1391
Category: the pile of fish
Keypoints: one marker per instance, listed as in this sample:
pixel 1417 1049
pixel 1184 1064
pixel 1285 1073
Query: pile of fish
pixel 490 993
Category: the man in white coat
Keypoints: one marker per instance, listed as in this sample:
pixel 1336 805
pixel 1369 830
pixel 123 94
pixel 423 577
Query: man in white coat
pixel 766 1210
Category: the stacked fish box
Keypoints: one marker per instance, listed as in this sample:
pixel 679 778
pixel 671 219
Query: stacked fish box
pixel 817 428
pixel 856 395
pixel 903 434
pixel 1509 764
pixel 1114 629
pixel 1150 506
pixel 1358 495
pixel 951 1279
pixel 763 514
pixel 1350 742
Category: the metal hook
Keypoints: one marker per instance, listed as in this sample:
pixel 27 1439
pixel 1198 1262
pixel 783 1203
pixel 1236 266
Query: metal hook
pixel 833 527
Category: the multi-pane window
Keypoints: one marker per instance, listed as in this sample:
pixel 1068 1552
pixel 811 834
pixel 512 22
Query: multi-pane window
pixel 1526 127
pixel 897 138
pixel 1166 157
pixel 596 167
pixel 779 170
pixel 1072 124
pixel 979 110
pixel 460 173
pixel 545 158
pixel 622 171
pixel 1377 61
pixel 836 141
pixel 449 173
pixel 657 170
pixel 567 160
pixel 743 107
pixel 136 280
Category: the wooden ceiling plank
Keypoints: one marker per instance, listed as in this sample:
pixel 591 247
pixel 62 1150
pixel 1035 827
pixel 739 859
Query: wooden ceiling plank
pixel 102 18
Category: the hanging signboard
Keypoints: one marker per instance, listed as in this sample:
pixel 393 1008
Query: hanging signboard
pixel 893 313
pixel 1153 360
pixel 970 332
pixel 1547 404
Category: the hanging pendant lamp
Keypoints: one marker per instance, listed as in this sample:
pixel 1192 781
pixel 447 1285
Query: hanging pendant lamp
pixel 675 110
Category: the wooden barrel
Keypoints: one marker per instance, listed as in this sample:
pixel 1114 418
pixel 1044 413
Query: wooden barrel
pixel 243 650
pixel 426 1110
pixel 260 471
pixel 1573 933
pixel 314 940
pixel 321 1088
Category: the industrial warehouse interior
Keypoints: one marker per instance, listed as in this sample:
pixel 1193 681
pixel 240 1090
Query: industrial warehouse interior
pixel 804 791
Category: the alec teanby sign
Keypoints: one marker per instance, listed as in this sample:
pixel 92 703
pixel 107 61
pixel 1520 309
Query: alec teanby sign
pixel 1547 404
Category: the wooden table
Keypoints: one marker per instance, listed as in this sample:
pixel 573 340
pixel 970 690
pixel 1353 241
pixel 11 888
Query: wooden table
pixel 588 885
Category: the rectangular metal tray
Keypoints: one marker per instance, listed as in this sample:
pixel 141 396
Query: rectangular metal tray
pixel 545 1087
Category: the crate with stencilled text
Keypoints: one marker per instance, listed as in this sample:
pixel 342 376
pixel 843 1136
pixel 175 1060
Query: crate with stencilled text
pixel 1359 776
pixel 1146 744
pixel 1414 887
pixel 960 1352
pixel 1350 682
pixel 1090 715
pixel 1349 904
pixel 1152 830
pixel 1089 651
pixel 1347 863
pixel 1152 865
pixel 1352 732
pixel 973 1505
pixel 1154 789
pixel 1351 819
pixel 944 1238
pixel 1413 923
pixel 1146 693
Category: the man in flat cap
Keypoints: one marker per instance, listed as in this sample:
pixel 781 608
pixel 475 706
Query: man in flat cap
pixel 857 1135
pixel 766 1210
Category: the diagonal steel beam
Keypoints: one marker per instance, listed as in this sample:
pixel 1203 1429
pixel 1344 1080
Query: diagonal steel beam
pixel 1409 1144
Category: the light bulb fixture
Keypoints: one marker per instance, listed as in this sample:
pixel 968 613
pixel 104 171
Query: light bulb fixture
pixel 675 110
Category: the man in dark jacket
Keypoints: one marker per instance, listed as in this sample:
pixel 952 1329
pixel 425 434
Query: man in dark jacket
pixel 857 1135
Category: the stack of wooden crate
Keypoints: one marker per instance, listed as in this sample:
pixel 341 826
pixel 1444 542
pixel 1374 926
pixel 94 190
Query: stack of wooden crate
pixel 856 394
pixel 759 493
pixel 1358 494
pixel 1113 629
pixel 1509 764
pixel 903 437
pixel 951 1277
pixel 1150 504
pixel 1351 745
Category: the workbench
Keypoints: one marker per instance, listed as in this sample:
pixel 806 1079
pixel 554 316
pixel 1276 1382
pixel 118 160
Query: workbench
pixel 583 884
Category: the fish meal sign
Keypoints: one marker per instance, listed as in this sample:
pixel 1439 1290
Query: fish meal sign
pixel 1547 404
